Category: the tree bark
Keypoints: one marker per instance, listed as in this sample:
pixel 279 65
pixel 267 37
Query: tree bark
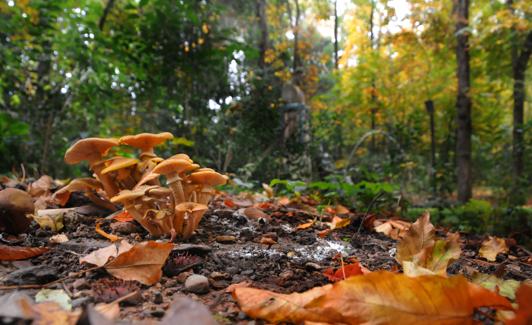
pixel 296 66
pixel 336 34
pixel 520 57
pixel 429 105
pixel 106 12
pixel 373 90
pixel 463 102
pixel 263 27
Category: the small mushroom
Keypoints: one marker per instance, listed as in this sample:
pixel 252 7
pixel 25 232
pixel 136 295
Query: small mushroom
pixel 92 150
pixel 182 156
pixel 127 199
pixel 205 180
pixel 174 169
pixel 119 167
pixel 187 217
pixel 146 142
pixel 15 204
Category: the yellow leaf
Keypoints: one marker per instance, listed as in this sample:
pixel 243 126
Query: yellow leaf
pixel 491 247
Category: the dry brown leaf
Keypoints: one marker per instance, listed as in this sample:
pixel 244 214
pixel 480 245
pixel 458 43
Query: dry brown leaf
pixel 100 256
pixel 491 247
pixel 143 262
pixel 111 237
pixel 419 236
pixel 13 253
pixel 254 213
pixel 276 307
pixel 305 225
pixel 48 313
pixel 395 229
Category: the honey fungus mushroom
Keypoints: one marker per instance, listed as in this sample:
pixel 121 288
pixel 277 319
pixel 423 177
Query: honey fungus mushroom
pixel 89 187
pixel 121 170
pixel 174 169
pixel 146 142
pixel 188 217
pixel 204 181
pixel 92 150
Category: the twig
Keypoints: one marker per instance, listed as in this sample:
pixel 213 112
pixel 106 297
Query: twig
pixel 39 286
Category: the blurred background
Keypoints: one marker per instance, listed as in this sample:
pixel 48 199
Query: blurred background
pixel 336 95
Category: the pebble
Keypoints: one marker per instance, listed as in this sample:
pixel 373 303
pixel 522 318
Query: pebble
pixel 157 298
pixel 226 239
pixel 157 313
pixel 197 284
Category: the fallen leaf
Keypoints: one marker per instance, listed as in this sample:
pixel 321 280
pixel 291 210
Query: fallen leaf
pixel 41 187
pixel 523 315
pixel 254 213
pixel 111 237
pixel 343 273
pixel 49 219
pixel 110 311
pixel 231 288
pixel 268 190
pixel 395 229
pixel 10 304
pixel 505 288
pixel 229 203
pixel 13 253
pixel 419 236
pixel 267 241
pixel 123 216
pixel 305 225
pixel 60 297
pixel 388 298
pixel 101 256
pixel 491 247
pixel 338 222
pixel 49 313
pixel 143 262
pixel 283 200
pixel 276 307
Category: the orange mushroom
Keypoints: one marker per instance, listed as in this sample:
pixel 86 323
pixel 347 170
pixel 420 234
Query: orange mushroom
pixel 119 170
pixel 205 180
pixel 89 186
pixel 174 169
pixel 92 150
pixel 187 217
pixel 146 142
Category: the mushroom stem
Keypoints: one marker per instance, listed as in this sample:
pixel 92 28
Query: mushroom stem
pixel 98 201
pixel 177 189
pixel 107 182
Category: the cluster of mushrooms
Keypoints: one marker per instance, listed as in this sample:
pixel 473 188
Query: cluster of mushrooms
pixel 136 183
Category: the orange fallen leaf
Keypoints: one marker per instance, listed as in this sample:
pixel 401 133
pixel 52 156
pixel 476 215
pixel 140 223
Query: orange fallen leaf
pixel 123 216
pixel 376 298
pixel 101 256
pixel 13 253
pixel 267 241
pixel 395 229
pixel 276 307
pixel 343 273
pixel 143 262
pixel 284 200
pixel 491 247
pixel 111 237
pixel 305 225
pixel 254 213
pixel 229 203
pixel 523 297
pixel 388 298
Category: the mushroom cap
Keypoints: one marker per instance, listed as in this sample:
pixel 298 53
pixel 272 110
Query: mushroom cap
pixel 146 178
pixel 208 177
pixel 90 149
pixel 77 185
pixel 146 141
pixel 182 156
pixel 159 191
pixel 170 166
pixel 190 207
pixel 117 163
pixel 128 195
pixel 14 205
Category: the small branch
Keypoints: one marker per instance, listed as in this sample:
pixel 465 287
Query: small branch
pixel 106 11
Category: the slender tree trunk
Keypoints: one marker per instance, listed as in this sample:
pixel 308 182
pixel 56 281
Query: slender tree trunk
pixel 463 102
pixel 106 12
pixel 264 36
pixel 336 34
pixel 520 57
pixel 373 90
pixel 429 105
pixel 296 66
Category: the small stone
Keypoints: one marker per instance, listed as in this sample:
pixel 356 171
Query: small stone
pixel 312 266
pixel 157 313
pixel 226 239
pixel 197 284
pixel 157 298
pixel 183 276
pixel 124 228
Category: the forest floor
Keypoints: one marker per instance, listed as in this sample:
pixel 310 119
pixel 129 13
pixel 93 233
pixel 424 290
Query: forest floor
pixel 240 242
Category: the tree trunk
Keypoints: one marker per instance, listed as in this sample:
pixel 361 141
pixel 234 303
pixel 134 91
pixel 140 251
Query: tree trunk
pixel 372 148
pixel 263 27
pixel 429 105
pixel 336 34
pixel 463 102
pixel 296 67
pixel 520 57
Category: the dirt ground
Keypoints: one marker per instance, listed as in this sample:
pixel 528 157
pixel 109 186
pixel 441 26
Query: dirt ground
pixel 227 249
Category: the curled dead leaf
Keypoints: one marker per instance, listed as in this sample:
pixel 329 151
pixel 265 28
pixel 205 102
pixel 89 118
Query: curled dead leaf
pixel 491 247
pixel 13 253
